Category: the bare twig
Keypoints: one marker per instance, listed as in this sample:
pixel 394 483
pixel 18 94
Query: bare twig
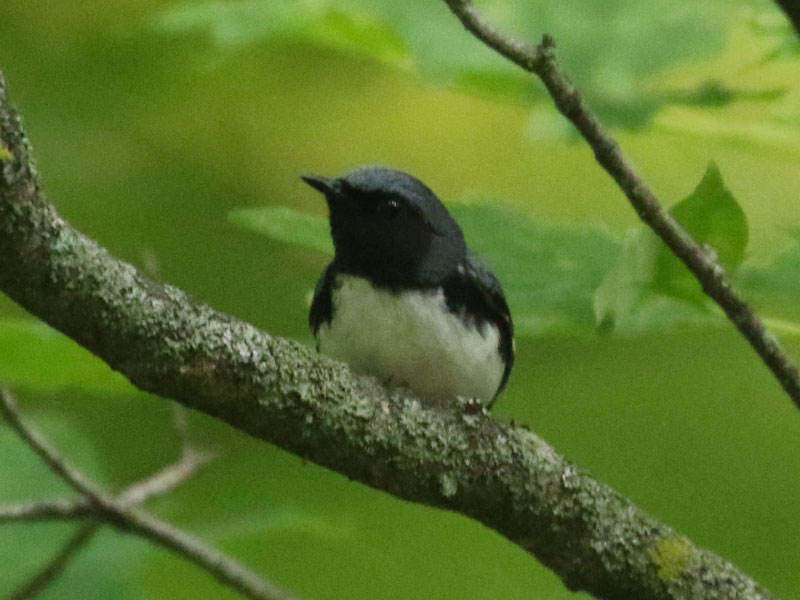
pixel 157 484
pixel 121 513
pixel 56 565
pixel 46 510
pixel 225 568
pixel 165 480
pixel 541 61
pixel 36 442
pixel 179 417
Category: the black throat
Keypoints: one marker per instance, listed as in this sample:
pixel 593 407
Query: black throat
pixel 407 261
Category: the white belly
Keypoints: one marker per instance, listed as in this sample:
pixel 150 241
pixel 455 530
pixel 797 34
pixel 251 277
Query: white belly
pixel 410 339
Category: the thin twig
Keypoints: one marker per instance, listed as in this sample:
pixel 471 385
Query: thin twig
pixel 56 565
pixel 165 480
pixel 36 442
pixel 127 518
pixel 225 568
pixel 46 510
pixel 541 61
pixel 181 421
pixel 159 483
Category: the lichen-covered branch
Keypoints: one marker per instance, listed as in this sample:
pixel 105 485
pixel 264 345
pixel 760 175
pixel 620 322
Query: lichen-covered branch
pixel 456 458
pixel 541 61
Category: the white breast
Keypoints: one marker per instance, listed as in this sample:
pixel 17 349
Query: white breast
pixel 409 338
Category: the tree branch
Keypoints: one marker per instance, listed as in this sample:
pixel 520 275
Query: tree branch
pixel 57 564
pixel 46 510
pixel 121 514
pixel 226 569
pixel 456 458
pixel 166 479
pixel 140 492
pixel 541 61
pixel 56 463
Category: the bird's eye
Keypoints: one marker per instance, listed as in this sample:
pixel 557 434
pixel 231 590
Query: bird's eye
pixel 389 209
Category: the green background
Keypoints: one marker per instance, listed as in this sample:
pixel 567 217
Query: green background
pixel 153 120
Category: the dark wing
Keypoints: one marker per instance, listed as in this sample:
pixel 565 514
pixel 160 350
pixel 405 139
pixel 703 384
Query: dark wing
pixel 322 305
pixel 475 291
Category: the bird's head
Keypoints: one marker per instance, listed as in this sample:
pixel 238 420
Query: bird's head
pixel 390 227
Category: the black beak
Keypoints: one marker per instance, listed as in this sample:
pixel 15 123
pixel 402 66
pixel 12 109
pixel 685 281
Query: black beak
pixel 329 187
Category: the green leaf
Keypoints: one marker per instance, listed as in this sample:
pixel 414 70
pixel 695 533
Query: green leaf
pixel 234 24
pixel 361 34
pixel 425 37
pixel 286 225
pixel 5 154
pixel 549 273
pixel 775 287
pixel 623 286
pixel 714 219
pixel 37 357
pixel 633 295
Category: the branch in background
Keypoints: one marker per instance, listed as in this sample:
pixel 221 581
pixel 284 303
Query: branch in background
pixel 541 61
pixel 165 480
pixel 57 564
pixel 792 10
pixel 46 510
pixel 121 513
pixel 453 457
pixel 36 442
pixel 80 508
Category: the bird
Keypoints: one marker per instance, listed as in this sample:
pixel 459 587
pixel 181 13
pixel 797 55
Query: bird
pixel 404 299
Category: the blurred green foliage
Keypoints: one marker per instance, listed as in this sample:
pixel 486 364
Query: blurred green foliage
pixel 286 225
pixel 35 356
pixel 608 47
pixel 163 127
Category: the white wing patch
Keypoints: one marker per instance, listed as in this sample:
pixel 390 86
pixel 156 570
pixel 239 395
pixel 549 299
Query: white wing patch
pixel 410 338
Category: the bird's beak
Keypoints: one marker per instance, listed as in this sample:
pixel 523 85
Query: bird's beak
pixel 329 187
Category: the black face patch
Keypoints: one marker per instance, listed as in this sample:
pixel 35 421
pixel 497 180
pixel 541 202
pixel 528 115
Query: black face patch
pixel 389 238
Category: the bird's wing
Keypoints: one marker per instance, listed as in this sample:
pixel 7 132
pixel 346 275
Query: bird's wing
pixel 478 292
pixel 322 305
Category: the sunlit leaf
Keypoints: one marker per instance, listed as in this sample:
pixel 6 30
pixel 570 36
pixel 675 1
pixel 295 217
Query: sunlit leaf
pixel 359 33
pixel 5 154
pixel 425 36
pixel 247 21
pixel 787 49
pixel 35 356
pixel 286 225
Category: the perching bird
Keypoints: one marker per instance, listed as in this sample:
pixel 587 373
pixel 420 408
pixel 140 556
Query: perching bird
pixel 404 299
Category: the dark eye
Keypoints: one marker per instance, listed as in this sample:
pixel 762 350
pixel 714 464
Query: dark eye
pixel 389 208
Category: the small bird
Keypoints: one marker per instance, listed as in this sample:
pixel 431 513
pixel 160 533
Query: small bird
pixel 404 299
